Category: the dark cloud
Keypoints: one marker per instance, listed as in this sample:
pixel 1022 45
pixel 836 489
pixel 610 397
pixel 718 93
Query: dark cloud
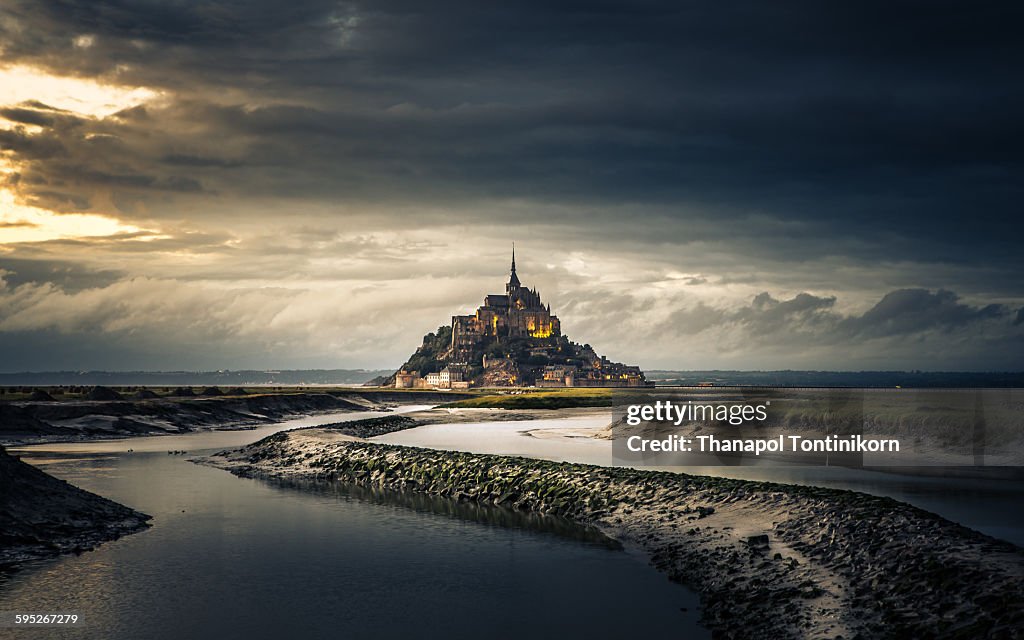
pixel 198 161
pixel 873 150
pixel 27 116
pixel 763 316
pixel 69 276
pixel 808 320
pixel 695 319
pixel 768 315
pixel 879 117
pixel 910 311
pixel 29 147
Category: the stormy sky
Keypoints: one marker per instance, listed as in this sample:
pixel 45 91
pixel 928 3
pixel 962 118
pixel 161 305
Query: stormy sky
pixel 750 185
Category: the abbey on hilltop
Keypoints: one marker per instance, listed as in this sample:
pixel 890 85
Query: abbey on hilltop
pixel 513 339
pixel 517 313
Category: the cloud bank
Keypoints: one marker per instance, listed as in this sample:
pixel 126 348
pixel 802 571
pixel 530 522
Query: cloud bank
pixel 695 185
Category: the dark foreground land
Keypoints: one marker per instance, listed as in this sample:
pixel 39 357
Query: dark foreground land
pixel 769 560
pixel 41 516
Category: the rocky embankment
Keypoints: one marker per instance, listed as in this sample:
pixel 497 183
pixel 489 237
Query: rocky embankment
pixel 41 516
pixel 371 427
pixel 769 560
pixel 38 421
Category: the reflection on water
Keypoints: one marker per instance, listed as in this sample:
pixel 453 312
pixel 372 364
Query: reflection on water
pixel 988 504
pixel 236 558
pixel 491 515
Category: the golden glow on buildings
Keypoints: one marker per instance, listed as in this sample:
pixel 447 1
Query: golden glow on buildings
pixel 544 331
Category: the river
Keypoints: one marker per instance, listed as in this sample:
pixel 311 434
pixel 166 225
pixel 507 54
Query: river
pixel 236 558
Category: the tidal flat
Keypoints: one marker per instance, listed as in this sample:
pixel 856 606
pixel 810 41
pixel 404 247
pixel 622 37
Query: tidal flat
pixel 768 560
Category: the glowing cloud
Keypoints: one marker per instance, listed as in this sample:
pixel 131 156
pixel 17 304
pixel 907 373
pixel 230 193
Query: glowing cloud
pixel 19 223
pixel 23 223
pixel 84 96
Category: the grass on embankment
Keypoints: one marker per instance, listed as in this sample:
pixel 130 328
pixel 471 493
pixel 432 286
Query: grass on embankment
pixel 540 399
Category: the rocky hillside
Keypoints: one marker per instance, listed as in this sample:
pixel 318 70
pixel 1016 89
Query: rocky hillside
pixel 41 516
pixel 504 362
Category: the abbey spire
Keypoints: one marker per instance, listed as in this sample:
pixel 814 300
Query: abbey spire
pixel 513 280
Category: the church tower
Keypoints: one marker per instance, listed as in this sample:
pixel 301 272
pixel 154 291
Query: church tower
pixel 513 280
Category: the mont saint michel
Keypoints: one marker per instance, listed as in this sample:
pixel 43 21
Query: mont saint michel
pixel 512 340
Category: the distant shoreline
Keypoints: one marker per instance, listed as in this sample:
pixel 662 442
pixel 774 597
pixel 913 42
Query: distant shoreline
pixel 77 419
pixel 318 378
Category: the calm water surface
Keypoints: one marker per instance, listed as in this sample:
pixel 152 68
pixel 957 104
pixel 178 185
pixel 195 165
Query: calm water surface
pixel 235 558
pixel 992 506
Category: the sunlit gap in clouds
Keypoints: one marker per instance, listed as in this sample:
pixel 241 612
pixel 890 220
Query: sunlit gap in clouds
pixel 83 97
pixel 21 223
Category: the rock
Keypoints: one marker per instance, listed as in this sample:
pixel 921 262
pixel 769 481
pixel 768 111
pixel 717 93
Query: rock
pixel 103 394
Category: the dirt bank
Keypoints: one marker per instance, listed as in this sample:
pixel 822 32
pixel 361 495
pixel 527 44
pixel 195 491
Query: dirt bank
pixel 41 516
pixel 49 421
